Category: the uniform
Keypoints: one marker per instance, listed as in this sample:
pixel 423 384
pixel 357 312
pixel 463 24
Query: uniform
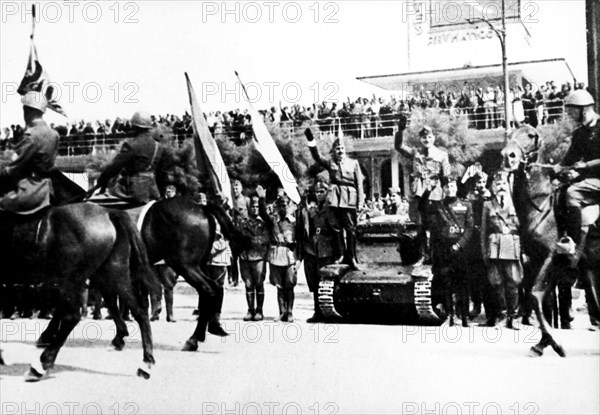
pixel 450 235
pixel 282 257
pixel 27 182
pixel 500 244
pixel 137 162
pixel 220 259
pixel 320 243
pixel 240 207
pixel 476 269
pixel 345 196
pixel 253 264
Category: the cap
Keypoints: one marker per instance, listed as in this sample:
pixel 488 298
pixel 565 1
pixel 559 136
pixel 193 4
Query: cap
pixel 425 130
pixel 35 100
pixel 500 175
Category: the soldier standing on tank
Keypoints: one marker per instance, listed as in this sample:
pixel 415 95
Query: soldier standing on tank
pixel 453 218
pixel 346 196
pixel 320 242
pixel 136 165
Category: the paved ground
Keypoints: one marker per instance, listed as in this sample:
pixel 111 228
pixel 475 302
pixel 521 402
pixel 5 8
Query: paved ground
pixel 274 367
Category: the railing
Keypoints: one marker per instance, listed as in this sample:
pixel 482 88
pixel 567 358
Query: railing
pixel 357 126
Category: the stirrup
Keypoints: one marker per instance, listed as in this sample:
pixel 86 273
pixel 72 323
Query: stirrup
pixel 565 246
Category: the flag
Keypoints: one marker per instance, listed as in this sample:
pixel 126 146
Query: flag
pixel 208 158
pixel 268 149
pixel 36 80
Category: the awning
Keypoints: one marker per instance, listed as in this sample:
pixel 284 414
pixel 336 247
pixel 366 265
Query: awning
pixel 536 72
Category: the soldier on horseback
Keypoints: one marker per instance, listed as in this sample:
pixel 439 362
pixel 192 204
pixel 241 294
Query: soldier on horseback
pixel 140 157
pixel 581 167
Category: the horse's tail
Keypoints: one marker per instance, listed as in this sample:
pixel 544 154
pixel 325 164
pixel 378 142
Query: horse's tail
pixel 144 280
pixel 238 240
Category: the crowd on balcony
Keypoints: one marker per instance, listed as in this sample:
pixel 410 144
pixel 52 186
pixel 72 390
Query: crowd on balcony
pixel 359 118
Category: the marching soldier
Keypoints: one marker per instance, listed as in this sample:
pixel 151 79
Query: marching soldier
pixel 140 157
pixel 346 196
pixel 253 260
pixel 453 218
pixel 501 247
pixel 282 256
pixel 320 242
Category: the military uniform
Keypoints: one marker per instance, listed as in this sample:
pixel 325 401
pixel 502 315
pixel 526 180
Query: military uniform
pixel 476 269
pixel 137 162
pixel 282 256
pixel 345 196
pixel 240 207
pixel 450 235
pixel 253 264
pixel 500 244
pixel 27 182
pixel 320 243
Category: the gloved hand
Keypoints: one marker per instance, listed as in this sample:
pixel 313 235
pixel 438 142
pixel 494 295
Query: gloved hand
pixel 309 135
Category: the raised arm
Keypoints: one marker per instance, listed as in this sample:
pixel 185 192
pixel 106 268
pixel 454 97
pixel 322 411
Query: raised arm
pixel 399 145
pixel 314 151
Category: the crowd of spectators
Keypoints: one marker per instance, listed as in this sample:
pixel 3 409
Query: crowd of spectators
pixel 359 118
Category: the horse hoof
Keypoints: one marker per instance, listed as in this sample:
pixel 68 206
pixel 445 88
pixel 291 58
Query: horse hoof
pixel 42 345
pixel 118 345
pixel 190 346
pixel 559 350
pixel 535 352
pixel 171 320
pixel 217 330
pixel 2 362
pixel 35 373
pixel 154 318
pixel 144 371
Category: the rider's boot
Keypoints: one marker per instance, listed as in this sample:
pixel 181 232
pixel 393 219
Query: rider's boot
pixel 260 300
pixel 574 230
pixel 250 296
pixel 214 325
pixel 281 304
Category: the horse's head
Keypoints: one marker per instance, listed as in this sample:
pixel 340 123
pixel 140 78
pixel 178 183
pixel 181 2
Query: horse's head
pixel 521 148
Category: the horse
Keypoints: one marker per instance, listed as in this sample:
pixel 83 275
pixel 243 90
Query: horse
pixel 533 200
pixel 181 232
pixel 65 246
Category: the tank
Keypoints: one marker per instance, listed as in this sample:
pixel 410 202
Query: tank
pixel 391 287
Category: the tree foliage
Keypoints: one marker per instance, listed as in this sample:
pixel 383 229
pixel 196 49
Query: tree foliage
pixel 556 139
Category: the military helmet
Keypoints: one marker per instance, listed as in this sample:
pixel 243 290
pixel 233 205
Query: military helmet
pixel 141 119
pixel 579 98
pixel 35 100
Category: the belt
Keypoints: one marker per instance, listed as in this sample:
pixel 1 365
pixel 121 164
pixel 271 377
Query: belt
pixel 283 244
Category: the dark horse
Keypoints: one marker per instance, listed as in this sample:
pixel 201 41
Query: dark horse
pixel 181 232
pixel 533 199
pixel 65 246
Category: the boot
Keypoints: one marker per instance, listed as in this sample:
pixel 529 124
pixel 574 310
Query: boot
pixel 251 310
pixel 214 325
pixel 316 317
pixel 281 303
pixel 573 227
pixel 511 323
pixel 351 258
pixel 289 305
pixel 475 312
pixel 169 305
pixel 260 299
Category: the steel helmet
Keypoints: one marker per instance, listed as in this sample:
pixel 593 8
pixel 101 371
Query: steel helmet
pixel 35 100
pixel 141 119
pixel 579 98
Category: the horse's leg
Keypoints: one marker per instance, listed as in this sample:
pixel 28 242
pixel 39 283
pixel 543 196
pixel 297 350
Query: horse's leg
pixel 206 292
pixel 71 315
pixel 544 282
pixel 110 299
pixel 592 294
pixel 48 335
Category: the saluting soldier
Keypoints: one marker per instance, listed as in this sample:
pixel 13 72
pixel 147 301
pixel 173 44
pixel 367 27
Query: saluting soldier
pixel 253 266
pixel 346 195
pixel 320 242
pixel 501 247
pixel 282 256
pixel 453 219
pixel 136 164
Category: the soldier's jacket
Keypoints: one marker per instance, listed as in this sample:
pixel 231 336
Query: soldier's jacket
pixel 346 189
pixel 477 200
pixel 136 163
pixel 318 233
pixel 257 229
pixel 453 221
pixel 30 171
pixel 283 247
pixel 499 225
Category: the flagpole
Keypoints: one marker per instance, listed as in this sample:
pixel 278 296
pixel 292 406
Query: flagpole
pixel 32 21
